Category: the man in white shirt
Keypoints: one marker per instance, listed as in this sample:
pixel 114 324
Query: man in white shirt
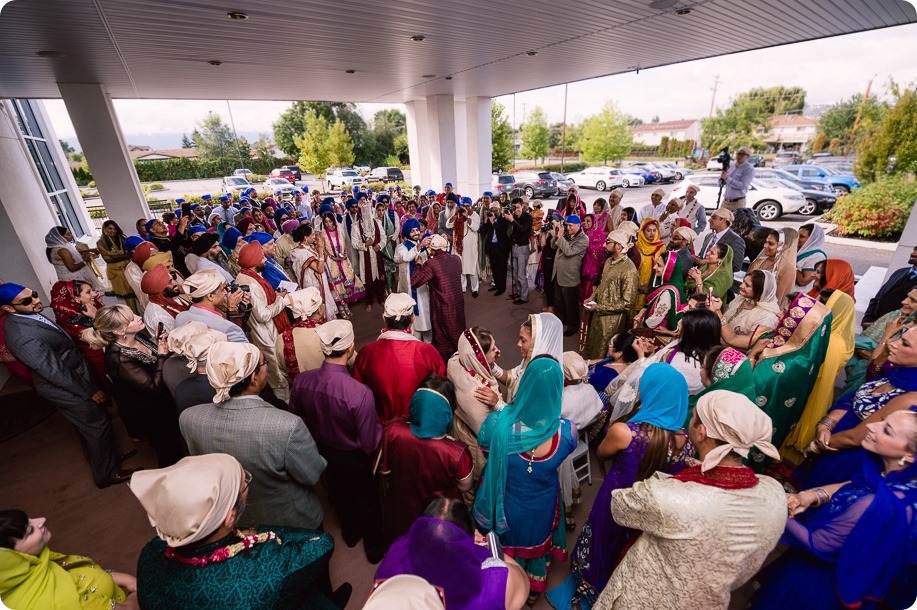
pixel 654 209
pixel 227 210
pixel 693 210
pixel 302 206
pixel 737 179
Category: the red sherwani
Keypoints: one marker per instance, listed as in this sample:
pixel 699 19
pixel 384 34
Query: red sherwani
pixel 443 274
pixel 393 369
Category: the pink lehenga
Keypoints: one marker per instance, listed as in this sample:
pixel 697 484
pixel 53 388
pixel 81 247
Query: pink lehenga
pixel 346 285
pixel 593 260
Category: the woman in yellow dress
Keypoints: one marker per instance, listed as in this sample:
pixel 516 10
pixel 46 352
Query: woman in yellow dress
pixel 114 253
pixel 650 247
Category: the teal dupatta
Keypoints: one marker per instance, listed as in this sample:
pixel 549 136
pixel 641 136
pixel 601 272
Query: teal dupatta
pixel 531 419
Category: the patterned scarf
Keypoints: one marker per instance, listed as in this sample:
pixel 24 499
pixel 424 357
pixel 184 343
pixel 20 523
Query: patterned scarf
pixel 289 348
pixel 723 477
pixel 172 307
pixel 458 232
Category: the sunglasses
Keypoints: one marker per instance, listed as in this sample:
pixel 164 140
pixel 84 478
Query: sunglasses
pixel 27 300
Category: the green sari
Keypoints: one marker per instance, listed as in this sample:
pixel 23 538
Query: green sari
pixel 732 371
pixel 666 297
pixel 786 372
pixel 721 280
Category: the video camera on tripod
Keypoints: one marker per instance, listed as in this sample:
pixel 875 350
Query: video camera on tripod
pixel 724 159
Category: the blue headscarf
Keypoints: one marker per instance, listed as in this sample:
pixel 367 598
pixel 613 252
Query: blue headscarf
pixel 325 208
pixel 532 419
pixel 9 291
pixel 196 229
pixel 149 224
pixel 231 237
pixel 261 238
pixel 663 398
pixel 431 414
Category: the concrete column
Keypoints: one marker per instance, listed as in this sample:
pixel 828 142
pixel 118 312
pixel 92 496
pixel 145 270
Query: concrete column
pixel 99 133
pixel 905 245
pixel 441 120
pixel 418 143
pixel 26 214
pixel 463 187
pixel 477 150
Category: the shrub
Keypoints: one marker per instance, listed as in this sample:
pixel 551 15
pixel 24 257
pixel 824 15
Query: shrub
pixel 91 184
pixel 879 210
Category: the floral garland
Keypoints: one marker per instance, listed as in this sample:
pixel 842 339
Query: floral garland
pixel 224 553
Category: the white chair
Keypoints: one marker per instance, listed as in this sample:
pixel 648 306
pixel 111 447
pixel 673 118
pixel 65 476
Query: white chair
pixel 583 471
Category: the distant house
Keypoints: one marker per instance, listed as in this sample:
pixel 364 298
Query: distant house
pixel 146 153
pixel 651 134
pixel 788 132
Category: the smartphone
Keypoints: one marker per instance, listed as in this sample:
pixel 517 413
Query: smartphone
pixel 494 546
pixel 159 331
pixel 186 210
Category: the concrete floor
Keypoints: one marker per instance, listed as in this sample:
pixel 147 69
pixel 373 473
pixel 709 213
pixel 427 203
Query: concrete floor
pixel 45 474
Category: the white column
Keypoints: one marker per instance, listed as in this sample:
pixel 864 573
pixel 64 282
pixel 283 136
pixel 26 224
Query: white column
pixel 26 214
pixel 905 245
pixel 477 149
pixel 99 133
pixel 462 185
pixel 441 122
pixel 418 143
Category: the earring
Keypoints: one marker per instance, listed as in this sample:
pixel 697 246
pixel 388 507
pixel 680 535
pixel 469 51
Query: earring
pixel 903 460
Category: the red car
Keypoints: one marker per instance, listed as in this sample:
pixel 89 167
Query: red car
pixel 282 172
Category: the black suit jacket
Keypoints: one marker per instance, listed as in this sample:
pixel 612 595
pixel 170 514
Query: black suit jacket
pixel 890 295
pixel 501 227
pixel 734 241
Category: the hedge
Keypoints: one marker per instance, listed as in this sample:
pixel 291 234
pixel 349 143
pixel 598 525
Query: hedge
pixel 878 210
pixel 186 169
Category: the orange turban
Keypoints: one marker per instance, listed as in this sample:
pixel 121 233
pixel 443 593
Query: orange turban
pixel 155 280
pixel 251 255
pixel 143 252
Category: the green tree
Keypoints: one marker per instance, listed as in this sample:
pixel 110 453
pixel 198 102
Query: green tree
pixel 838 120
pixel 737 125
pixel 263 148
pixel 291 123
pixel 889 145
pixel 312 144
pixel 186 141
pixel 340 145
pixel 605 136
pixel 380 140
pixel 402 147
pixel 213 139
pixel 65 146
pixel 501 137
pixel 536 137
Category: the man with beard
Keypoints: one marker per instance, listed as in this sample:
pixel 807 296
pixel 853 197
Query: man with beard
pixel 408 254
pixel 162 290
pixel 159 237
pixel 211 256
pixel 273 272
pixel 447 213
pixel 683 242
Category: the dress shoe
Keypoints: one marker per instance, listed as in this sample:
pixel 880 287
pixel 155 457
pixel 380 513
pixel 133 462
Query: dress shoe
pixel 491 289
pixel 374 556
pixel 127 455
pixel 122 476
pixel 520 302
pixel 474 294
pixel 499 292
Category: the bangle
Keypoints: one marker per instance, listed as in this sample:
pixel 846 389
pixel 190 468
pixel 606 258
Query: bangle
pixel 496 370
pixel 822 495
pixel 827 422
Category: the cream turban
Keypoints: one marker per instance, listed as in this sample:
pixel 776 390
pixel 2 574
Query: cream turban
pixel 192 340
pixel 574 366
pixel 405 592
pixel 724 214
pixel 438 242
pixel 335 336
pixel 732 418
pixel 398 304
pixel 229 363
pixel 629 227
pixel 620 236
pixel 202 283
pixel 305 302
pixel 677 202
pixel 160 258
pixel 188 501
pixel 687 233
pixel 659 192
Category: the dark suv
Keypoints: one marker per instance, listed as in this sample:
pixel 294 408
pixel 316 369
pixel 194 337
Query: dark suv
pixel 297 173
pixel 386 174
pixel 536 184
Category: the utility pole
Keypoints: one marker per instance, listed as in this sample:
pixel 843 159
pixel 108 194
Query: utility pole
pixel 563 137
pixel 716 80
pixel 856 123
pixel 514 130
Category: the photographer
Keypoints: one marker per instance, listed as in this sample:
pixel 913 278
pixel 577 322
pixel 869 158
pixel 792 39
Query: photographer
pixel 571 247
pixel 520 223
pixel 495 230
pixel 736 180
pixel 210 297
pixel 465 225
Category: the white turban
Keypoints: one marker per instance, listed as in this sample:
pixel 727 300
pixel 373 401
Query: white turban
pixel 398 304
pixel 202 283
pixel 574 367
pixel 687 233
pixel 659 192
pixel 229 363
pixel 405 592
pixel 620 236
pixel 335 336
pixel 732 418
pixel 677 202
pixel 193 340
pixel 189 500
pixel 629 227
pixel 305 302
pixel 438 242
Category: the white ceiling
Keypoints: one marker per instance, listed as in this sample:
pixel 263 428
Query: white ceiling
pixel 300 49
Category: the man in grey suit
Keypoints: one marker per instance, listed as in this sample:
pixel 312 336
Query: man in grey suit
pixel 568 262
pixel 720 222
pixel 61 375
pixel 274 445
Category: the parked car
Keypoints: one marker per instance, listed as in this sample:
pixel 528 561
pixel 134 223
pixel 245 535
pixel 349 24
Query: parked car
pixel 297 173
pixel 756 160
pixel 386 174
pixel 536 184
pixel 283 172
pixel 680 172
pixel 842 183
pixel 502 183
pixel 768 198
pixel 817 200
pixel 786 157
pixel 598 178
pixel 363 169
pixel 242 172
pixel 649 176
pixel 563 183
pixel 667 174
pixel 815 184
pixel 279 184
pixel 628 179
pixel 344 177
pixel 235 184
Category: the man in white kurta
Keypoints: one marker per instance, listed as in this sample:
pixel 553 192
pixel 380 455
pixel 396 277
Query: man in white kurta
pixel 707 530
pixel 470 223
pixel 263 332
pixel 409 253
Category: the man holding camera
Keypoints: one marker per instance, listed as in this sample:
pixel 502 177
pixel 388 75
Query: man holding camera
pixel 211 297
pixel 736 180
pixel 495 229
pixel 520 223
pixel 571 247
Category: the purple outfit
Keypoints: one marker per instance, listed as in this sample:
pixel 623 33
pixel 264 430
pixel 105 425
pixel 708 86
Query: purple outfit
pixel 445 556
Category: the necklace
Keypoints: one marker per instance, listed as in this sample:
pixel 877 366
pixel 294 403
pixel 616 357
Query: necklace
pixel 224 553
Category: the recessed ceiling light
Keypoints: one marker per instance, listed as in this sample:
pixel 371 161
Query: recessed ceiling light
pixel 215 62
pixel 531 53
pixel 448 78
pixel 237 15
pixel 52 54
pixel 418 38
pixel 427 76
pixel 684 11
pixel 661 5
pixel 350 71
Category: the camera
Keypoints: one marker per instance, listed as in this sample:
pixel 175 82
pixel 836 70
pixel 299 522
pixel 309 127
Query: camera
pixel 233 287
pixel 724 158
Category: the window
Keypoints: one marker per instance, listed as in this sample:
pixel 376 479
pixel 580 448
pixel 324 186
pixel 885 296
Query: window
pixel 48 171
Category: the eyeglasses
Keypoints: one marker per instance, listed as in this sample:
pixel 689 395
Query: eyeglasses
pixel 27 300
pixel 248 481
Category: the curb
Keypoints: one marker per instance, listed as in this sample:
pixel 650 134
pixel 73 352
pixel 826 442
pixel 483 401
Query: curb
pixel 856 243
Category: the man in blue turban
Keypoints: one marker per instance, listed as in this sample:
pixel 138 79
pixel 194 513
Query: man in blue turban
pixel 273 272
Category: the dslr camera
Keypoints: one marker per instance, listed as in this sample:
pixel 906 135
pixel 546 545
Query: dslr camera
pixel 233 287
pixel 724 158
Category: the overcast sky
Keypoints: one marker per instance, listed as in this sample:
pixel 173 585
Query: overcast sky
pixel 830 70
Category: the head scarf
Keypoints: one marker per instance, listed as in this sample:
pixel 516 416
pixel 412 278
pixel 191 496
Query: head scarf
pixel 193 340
pixel 663 398
pixel 785 263
pixel 251 255
pixel 574 367
pixel 229 363
pixel 620 236
pixel 160 258
pixel 431 414
pixel 335 336
pixel 397 305
pixel 305 302
pixel 731 371
pixel 9 291
pixel 231 237
pixel 261 238
pixel 142 252
pixel 438 242
pixel 536 406
pixel 409 225
pixel 202 283
pixel 467 369
pixel 244 224
pixel 737 421
pixel 289 226
pixel 405 592
pixel 687 233
pixel 837 274
pixel 720 278
pixel 189 500
pixel 155 280
pixel 649 248
pixel 432 220
pixel 814 244
pixel 213 216
pixel 67 310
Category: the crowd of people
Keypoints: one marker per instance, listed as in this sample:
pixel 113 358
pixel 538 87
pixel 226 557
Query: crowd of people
pixel 227 345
